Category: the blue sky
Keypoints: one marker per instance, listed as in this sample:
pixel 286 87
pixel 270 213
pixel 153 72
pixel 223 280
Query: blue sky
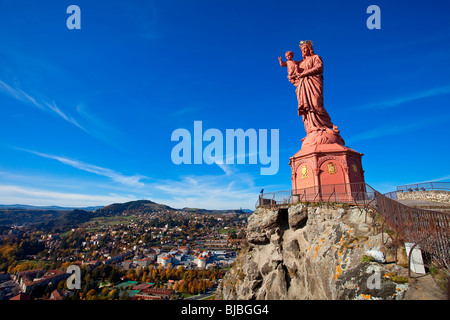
pixel 87 115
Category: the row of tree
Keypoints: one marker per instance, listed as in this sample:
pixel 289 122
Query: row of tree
pixel 189 281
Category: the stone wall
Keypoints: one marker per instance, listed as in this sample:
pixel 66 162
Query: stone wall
pixel 309 252
pixel 430 195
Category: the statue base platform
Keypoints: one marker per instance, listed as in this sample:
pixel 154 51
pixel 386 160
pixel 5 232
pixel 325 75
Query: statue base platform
pixel 328 170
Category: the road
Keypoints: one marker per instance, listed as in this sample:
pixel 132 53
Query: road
pixel 204 295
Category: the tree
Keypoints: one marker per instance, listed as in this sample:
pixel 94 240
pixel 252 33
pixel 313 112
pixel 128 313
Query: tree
pixel 130 274
pixel 139 271
pixel 105 292
pixel 96 274
pixel 89 285
pixel 61 285
pixel 114 276
pixel 183 288
pixel 144 276
pixel 65 265
pixel 201 286
pixel 114 294
pixel 91 295
pixel 163 274
pixel 76 295
pixel 180 271
pixel 41 265
pixel 124 296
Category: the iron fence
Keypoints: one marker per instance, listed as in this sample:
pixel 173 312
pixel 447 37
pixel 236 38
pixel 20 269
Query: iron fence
pixel 352 193
pixel 425 186
pixel 428 229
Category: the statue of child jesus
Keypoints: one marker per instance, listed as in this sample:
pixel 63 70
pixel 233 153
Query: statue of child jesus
pixel 292 66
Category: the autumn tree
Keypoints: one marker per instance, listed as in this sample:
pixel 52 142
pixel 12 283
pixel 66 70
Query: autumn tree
pixel 91 295
pixel 114 294
pixel 144 277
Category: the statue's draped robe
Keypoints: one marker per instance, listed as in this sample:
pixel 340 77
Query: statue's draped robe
pixel 310 95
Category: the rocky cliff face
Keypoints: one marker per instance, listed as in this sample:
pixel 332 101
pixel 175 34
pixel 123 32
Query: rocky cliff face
pixel 310 252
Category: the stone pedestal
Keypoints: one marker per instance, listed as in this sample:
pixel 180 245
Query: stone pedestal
pixel 326 170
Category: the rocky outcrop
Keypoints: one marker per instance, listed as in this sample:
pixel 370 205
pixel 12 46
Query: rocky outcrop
pixel 440 196
pixel 311 252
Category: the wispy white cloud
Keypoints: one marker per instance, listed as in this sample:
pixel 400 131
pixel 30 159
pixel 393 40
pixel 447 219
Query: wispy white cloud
pixel 13 194
pixel 389 103
pixel 98 128
pixel 231 189
pixel 226 168
pixel 85 114
pixel 84 119
pixel 59 112
pixel 20 95
pixel 184 111
pixel 392 129
pixel 208 191
pixel 446 177
pixel 221 191
pixel 43 105
pixel 132 181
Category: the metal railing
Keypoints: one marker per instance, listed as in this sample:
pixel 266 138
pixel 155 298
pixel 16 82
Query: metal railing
pixel 428 229
pixel 425 186
pixel 351 193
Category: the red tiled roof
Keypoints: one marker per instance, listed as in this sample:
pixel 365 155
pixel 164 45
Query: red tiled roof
pixel 21 296
pixel 142 286
pixel 144 297
pixel 158 292
pixel 22 273
pixel 52 273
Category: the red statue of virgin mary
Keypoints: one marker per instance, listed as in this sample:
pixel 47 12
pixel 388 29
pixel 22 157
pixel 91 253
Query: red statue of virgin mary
pixel 308 78
pixel 323 158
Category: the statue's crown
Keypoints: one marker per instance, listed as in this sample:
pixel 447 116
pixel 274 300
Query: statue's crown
pixel 304 42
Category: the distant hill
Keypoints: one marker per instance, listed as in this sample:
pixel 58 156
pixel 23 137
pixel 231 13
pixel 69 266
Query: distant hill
pixel 207 211
pixel 67 221
pixel 132 207
pixel 27 207
pixel 60 219
pixel 142 206
pixel 27 216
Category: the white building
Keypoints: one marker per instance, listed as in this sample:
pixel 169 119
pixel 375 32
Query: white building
pixel 201 262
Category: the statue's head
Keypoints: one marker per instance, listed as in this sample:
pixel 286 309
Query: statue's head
pixel 306 47
pixel 289 55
